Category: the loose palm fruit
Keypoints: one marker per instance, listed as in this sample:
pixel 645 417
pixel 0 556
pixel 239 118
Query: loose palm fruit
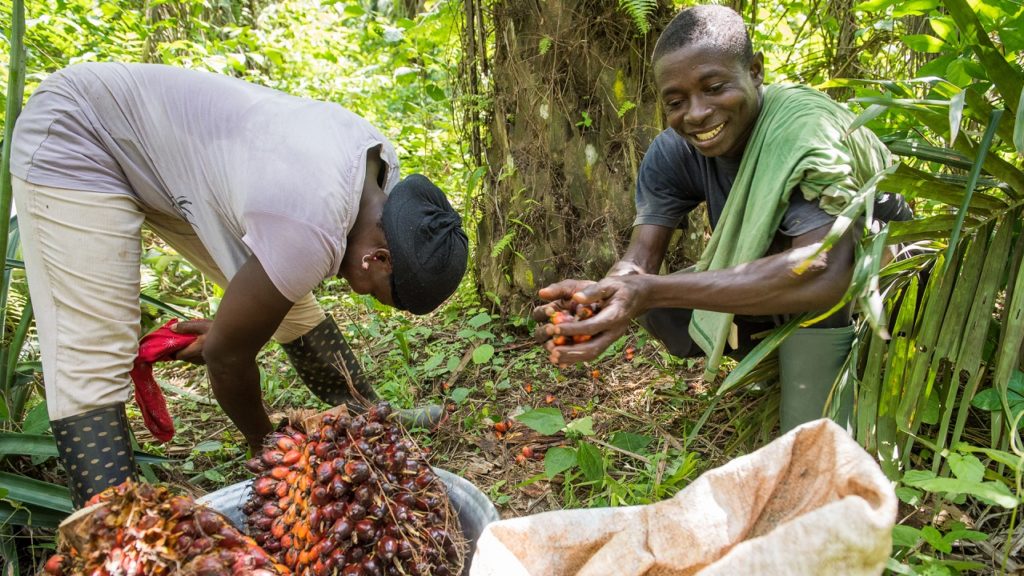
pixel 361 499
pixel 575 313
pixel 145 529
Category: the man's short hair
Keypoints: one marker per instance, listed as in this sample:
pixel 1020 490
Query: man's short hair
pixel 716 26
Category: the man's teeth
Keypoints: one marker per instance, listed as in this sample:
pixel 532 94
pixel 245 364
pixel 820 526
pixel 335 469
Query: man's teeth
pixel 709 135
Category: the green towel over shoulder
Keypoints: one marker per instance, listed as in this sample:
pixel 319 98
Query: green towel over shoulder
pixel 798 142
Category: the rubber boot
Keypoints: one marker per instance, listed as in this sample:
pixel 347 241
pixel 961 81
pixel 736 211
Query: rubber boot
pixel 809 362
pixel 96 450
pixel 322 357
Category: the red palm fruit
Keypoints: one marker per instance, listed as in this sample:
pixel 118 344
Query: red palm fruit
pixel 55 565
pixel 580 338
pixel 324 472
pixel 291 457
pixel 279 472
pixel 272 457
pixel 357 471
pixel 560 340
pixel 264 486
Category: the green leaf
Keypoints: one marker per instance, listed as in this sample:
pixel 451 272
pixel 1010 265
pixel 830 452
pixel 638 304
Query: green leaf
pixel 991 492
pixel 591 462
pixel 914 476
pixel 36 492
pixel 1018 126
pixel 869 114
pixel 966 467
pixel 479 320
pixel 963 534
pixel 987 399
pixel 933 537
pixel 874 5
pixel 923 43
pixel 558 460
pixel 630 442
pixel 910 496
pixel 545 420
pixel 905 536
pixel 956 114
pixel 583 426
pixel 208 446
pixel 459 394
pixel 914 7
pixel 483 353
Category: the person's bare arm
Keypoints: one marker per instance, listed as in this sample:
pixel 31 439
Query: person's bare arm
pixel 647 247
pixel 249 313
pixel 766 286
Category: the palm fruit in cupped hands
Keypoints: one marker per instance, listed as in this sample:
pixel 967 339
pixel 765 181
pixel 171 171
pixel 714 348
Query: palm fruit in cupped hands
pixel 145 530
pixel 575 312
pixel 352 496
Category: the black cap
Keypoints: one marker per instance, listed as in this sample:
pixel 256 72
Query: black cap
pixel 429 249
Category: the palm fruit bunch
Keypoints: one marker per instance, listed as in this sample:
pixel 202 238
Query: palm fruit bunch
pixel 575 312
pixel 137 529
pixel 353 496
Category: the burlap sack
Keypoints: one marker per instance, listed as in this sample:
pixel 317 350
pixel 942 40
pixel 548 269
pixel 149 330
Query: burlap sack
pixel 811 502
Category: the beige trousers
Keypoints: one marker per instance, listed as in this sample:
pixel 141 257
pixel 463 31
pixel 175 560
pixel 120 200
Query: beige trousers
pixel 82 252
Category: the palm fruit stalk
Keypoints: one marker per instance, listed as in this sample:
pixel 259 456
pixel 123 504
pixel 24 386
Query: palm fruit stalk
pixel 144 530
pixel 353 496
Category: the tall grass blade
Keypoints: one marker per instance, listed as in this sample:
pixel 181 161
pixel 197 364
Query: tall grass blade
pixel 986 141
pixel 36 492
pixel 970 358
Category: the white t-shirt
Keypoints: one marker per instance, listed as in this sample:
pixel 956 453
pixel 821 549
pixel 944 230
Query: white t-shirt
pixel 253 170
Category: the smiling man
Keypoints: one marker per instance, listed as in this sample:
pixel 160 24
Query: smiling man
pixel 774 166
pixel 266 193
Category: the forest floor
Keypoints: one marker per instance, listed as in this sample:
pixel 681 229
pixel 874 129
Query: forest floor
pixel 643 396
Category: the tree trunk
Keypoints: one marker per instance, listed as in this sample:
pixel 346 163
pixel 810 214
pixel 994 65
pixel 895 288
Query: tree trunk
pixel 573 110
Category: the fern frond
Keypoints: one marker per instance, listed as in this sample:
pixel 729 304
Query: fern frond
pixel 640 11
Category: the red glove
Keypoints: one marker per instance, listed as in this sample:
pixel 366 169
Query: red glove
pixel 157 346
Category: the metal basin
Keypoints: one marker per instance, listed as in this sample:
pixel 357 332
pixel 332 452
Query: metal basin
pixel 475 510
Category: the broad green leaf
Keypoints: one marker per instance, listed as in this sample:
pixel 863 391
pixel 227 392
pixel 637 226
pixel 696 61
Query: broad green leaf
pixel 962 534
pixel 905 536
pixel 934 538
pixel 591 462
pixel 914 7
pixel 874 5
pixel 583 426
pixel 459 395
pixel 987 399
pixel 992 492
pixel 483 353
pixel 208 446
pixel 558 460
pixel 943 27
pixel 479 320
pixel 636 443
pixel 910 496
pixel 923 43
pixel 545 420
pixel 912 477
pixel 966 467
